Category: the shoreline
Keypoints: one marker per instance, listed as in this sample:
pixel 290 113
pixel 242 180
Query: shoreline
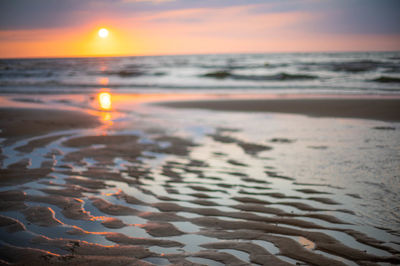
pixel 363 108
pixel 16 116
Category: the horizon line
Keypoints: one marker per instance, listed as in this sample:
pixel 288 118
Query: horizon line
pixel 194 54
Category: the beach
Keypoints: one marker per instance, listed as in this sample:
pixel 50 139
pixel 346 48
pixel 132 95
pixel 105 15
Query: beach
pixel 197 133
pixel 127 179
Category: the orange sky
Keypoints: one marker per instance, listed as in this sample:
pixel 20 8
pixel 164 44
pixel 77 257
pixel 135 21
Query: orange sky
pixel 191 31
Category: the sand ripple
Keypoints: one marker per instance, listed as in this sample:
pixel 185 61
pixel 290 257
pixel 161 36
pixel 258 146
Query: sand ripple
pixel 115 199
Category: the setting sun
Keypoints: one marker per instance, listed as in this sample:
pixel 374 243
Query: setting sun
pixel 103 33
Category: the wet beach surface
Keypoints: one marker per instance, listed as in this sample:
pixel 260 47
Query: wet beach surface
pixel 154 185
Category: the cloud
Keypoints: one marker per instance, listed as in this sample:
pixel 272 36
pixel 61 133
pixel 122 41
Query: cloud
pixel 20 14
pixel 150 1
pixel 336 16
pixel 236 20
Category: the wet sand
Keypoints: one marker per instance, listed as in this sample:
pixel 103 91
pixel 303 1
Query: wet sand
pixel 377 109
pixel 19 122
pixel 125 198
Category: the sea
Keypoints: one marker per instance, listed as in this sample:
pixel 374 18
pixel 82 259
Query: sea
pixel 283 73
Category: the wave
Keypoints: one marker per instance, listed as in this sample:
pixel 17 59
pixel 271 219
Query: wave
pixel 218 74
pixel 123 73
pixel 277 77
pixel 352 66
pixel 355 66
pixel 57 84
pixel 365 72
pixel 26 74
pixel 143 88
pixel 387 79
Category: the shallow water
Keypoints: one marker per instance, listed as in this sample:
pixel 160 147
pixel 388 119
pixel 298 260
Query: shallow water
pixel 236 172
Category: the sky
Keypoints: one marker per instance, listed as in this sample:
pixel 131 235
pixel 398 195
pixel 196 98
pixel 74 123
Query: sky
pixel 65 28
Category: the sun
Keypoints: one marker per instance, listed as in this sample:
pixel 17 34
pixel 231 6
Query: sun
pixel 103 33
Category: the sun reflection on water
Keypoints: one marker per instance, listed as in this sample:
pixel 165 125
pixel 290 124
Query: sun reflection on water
pixel 105 101
pixel 106 117
pixel 105 106
pixel 306 243
pixel 103 81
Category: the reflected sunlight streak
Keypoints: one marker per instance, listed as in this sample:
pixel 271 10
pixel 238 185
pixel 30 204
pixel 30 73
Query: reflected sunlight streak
pixel 106 116
pixel 105 100
pixel 103 81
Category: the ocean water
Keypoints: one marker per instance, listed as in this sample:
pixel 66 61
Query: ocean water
pixel 319 73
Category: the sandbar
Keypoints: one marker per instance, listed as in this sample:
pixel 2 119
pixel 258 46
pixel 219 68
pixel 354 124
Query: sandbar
pixel 383 109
